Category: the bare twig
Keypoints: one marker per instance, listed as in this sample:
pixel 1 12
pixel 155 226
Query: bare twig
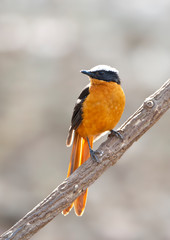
pixel 113 148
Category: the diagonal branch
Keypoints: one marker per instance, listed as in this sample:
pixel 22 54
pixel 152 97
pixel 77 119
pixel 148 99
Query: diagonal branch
pixel 113 148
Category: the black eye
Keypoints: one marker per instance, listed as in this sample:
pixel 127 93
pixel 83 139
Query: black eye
pixel 101 73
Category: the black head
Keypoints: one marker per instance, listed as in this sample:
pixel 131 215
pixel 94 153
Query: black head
pixel 104 73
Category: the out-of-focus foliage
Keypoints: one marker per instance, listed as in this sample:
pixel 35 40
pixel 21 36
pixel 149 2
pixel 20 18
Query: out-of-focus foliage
pixel 43 46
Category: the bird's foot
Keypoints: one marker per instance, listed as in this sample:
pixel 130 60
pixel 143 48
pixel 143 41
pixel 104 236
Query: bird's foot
pixel 94 153
pixel 115 133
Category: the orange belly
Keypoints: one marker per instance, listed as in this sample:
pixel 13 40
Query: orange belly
pixel 102 108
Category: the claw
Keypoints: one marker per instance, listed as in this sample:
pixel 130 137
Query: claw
pixel 93 153
pixel 115 133
pixel 94 157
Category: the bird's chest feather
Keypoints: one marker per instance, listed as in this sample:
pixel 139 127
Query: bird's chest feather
pixel 102 109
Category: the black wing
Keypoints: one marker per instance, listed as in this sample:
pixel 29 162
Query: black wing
pixel 77 114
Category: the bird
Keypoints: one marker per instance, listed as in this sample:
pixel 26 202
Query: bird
pixel 98 109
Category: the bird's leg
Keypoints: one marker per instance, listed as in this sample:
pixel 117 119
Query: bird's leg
pixel 93 153
pixel 115 133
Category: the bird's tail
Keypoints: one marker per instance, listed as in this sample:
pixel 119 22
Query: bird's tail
pixel 80 153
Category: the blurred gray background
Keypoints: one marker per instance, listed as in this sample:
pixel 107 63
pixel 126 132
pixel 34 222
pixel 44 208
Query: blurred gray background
pixel 43 46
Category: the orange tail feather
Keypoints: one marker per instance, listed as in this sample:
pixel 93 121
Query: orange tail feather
pixel 80 202
pixel 80 153
pixel 74 162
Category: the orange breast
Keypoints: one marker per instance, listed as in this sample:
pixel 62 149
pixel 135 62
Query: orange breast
pixel 102 108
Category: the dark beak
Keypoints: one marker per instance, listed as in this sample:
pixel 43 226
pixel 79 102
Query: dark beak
pixel 88 73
